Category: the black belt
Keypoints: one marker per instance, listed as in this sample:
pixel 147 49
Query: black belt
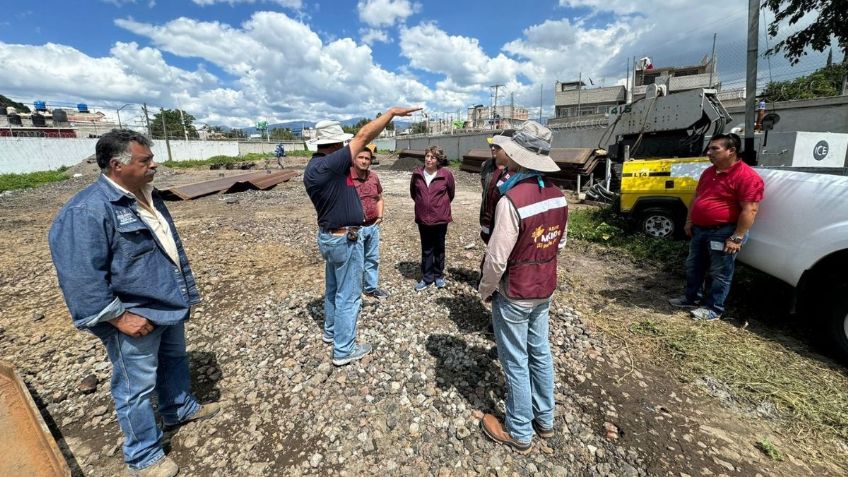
pixel 340 230
pixel 715 227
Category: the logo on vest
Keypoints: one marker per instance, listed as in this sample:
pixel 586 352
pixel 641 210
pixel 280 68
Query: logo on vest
pixel 544 237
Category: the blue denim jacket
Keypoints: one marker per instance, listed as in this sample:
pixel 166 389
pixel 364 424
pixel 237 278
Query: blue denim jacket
pixel 108 261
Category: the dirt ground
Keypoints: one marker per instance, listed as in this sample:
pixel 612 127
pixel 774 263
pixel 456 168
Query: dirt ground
pixel 673 428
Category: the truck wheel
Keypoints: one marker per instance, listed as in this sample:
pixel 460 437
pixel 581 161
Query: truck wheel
pixel 838 317
pixel 658 223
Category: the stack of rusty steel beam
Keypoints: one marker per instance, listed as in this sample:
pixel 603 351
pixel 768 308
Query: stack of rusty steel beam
pixel 472 161
pixel 571 161
pixel 26 445
pixel 261 180
pixel 415 153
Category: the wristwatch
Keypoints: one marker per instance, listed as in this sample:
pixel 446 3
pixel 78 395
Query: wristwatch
pixel 737 239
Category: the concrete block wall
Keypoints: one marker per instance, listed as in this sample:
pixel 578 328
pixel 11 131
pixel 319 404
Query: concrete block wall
pixel 455 145
pixel 815 115
pixel 245 148
pixel 29 154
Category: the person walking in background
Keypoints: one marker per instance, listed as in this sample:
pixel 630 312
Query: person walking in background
pixel 280 153
pixel 519 277
pixel 432 188
pixel 723 210
pixel 370 192
pixel 328 183
pixel 126 279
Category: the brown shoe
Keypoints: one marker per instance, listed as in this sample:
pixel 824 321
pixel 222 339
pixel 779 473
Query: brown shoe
pixel 543 432
pixel 206 411
pixel 493 428
pixel 165 467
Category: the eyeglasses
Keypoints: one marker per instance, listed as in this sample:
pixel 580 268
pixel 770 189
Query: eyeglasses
pixel 495 147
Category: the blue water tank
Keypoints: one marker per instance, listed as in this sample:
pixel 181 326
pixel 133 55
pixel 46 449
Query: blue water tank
pixel 40 105
pixel 82 107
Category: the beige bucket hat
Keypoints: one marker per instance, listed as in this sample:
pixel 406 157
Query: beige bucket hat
pixel 329 132
pixel 529 147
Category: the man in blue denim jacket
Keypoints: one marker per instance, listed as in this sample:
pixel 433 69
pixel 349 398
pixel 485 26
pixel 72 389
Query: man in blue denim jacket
pixel 126 278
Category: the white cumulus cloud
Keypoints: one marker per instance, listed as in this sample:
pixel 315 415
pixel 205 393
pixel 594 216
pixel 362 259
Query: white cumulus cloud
pixel 385 13
pixel 370 36
pixel 459 58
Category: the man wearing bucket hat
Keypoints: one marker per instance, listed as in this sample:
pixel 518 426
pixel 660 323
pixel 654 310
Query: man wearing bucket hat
pixel 519 276
pixel 340 216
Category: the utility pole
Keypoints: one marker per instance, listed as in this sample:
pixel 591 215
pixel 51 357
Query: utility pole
pixel 495 106
pixel 511 108
pixel 750 155
pixel 712 61
pixel 541 100
pixel 146 119
pixel 165 132
pixel 579 83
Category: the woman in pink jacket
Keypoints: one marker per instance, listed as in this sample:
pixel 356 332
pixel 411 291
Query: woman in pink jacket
pixel 432 188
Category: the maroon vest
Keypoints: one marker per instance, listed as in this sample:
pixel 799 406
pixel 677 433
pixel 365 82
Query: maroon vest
pixel 531 271
pixel 493 194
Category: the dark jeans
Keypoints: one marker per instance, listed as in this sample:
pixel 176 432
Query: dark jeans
pixel 432 251
pixel 703 258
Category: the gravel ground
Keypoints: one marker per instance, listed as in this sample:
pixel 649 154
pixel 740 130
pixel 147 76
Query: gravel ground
pixel 410 408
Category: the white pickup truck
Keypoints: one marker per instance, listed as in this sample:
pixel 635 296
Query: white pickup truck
pixel 801 237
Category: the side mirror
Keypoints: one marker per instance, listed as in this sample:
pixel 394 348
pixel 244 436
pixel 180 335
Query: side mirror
pixel 769 120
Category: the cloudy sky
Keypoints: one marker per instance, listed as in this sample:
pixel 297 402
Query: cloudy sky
pixel 233 62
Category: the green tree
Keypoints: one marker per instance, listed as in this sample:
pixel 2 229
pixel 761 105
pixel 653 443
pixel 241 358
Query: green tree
pixel 826 81
pixel 356 127
pixel 284 134
pixel 236 134
pixel 418 128
pixel 173 123
pixel 832 21
pixel 5 102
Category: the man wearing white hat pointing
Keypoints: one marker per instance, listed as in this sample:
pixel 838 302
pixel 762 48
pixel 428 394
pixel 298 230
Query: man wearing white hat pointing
pixel 519 277
pixel 340 216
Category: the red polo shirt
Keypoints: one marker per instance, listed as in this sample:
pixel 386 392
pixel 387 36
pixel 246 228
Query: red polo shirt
pixel 719 194
pixel 369 191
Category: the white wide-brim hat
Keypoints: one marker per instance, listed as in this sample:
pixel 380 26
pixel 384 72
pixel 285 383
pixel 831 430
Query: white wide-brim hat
pixel 329 132
pixel 529 147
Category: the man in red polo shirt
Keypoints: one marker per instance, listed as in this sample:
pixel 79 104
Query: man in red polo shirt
pixel 725 205
pixel 371 194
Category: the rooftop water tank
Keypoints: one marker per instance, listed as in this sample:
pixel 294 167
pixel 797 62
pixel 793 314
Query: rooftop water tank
pixel 38 120
pixel 40 105
pixel 15 119
pixel 59 117
pixel 82 107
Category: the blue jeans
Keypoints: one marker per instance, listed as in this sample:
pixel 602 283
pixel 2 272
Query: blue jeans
pixel 702 258
pixel 371 245
pixel 342 289
pixel 155 362
pixel 525 355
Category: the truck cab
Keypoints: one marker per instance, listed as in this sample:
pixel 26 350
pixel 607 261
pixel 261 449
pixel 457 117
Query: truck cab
pixel 801 237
